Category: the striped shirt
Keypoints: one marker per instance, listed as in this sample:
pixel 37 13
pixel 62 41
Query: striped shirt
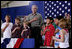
pixel 36 23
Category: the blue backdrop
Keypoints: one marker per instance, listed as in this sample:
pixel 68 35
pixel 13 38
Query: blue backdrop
pixel 22 10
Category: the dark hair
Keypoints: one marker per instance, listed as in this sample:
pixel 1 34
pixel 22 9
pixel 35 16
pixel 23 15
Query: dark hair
pixel 8 17
pixel 17 18
pixel 59 17
pixel 50 19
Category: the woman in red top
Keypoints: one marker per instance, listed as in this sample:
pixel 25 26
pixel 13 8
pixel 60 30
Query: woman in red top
pixel 49 32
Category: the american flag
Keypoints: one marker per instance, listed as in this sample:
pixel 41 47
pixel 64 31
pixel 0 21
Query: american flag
pixel 17 43
pixel 57 8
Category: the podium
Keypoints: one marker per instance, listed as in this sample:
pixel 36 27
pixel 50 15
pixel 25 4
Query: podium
pixel 28 43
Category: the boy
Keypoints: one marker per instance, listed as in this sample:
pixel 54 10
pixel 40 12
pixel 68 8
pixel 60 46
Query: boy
pixel 49 32
pixel 16 29
pixel 6 27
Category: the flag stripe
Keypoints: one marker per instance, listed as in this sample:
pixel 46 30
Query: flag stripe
pixel 5 42
pixel 12 42
pixel 18 43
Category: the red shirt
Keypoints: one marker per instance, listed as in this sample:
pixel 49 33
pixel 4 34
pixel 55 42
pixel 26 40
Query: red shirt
pixel 49 34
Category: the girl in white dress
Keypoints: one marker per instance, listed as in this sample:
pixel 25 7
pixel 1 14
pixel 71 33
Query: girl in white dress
pixel 64 35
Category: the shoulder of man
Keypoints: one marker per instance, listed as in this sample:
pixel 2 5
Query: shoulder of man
pixel 30 14
pixel 39 14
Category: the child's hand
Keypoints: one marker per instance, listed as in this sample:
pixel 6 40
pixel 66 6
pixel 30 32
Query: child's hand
pixel 53 37
pixel 7 24
pixel 21 34
pixel 42 32
pixel 56 31
pixel 51 44
pixel 17 28
pixel 25 29
pixel 27 36
pixel 47 30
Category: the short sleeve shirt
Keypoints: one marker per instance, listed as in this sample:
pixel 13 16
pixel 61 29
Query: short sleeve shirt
pixel 7 32
pixel 37 22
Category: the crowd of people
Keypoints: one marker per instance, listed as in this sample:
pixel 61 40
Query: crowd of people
pixel 54 32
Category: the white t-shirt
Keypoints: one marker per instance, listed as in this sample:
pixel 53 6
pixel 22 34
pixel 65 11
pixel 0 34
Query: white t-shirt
pixel 7 32
pixel 65 44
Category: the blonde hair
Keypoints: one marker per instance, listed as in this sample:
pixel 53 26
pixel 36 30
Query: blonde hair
pixel 63 23
pixel 25 22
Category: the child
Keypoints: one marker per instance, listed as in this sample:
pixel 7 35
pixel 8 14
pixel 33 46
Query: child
pixel 16 29
pixel 23 19
pixel 42 33
pixel 6 27
pixel 57 34
pixel 43 27
pixel 64 35
pixel 49 32
pixel 25 30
